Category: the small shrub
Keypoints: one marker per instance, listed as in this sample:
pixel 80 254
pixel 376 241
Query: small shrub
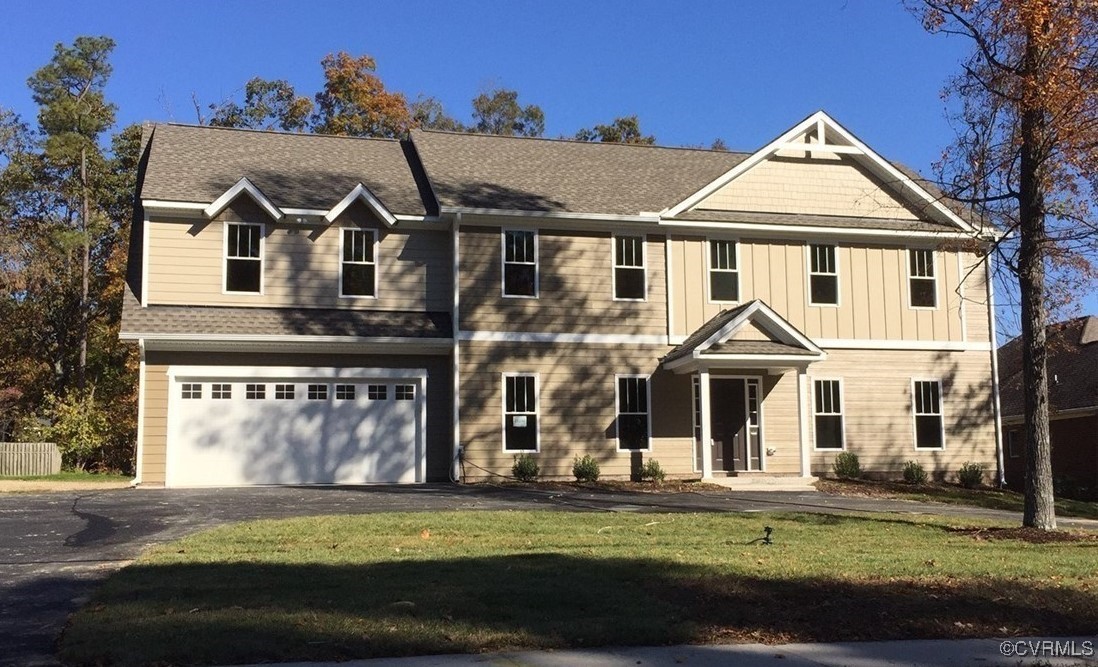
pixel 847 466
pixel 914 473
pixel 971 475
pixel 652 471
pixel 585 469
pixel 526 468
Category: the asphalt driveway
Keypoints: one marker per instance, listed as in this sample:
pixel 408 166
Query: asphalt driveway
pixel 55 547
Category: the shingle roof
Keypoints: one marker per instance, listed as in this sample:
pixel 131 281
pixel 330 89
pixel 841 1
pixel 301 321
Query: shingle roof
pixel 485 171
pixel 804 220
pixel 198 164
pixel 702 333
pixel 235 321
pixel 1072 367
pixel 756 347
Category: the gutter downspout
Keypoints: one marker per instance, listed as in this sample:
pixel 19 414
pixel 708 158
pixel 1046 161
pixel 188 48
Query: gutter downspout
pixel 456 452
pixel 990 283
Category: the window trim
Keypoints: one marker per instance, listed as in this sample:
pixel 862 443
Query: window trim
pixel 709 270
pixel 934 278
pixel 504 413
pixel 842 413
pixel 225 257
pixel 617 409
pixel 940 414
pixel 376 246
pixel 810 273
pixel 503 263
pixel 614 266
pixel 1013 447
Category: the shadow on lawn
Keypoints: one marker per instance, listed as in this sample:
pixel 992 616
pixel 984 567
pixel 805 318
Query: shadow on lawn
pixel 242 612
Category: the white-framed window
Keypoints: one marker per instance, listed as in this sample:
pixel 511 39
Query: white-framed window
pixel 823 275
pixel 827 412
pixel 1014 443
pixel 922 284
pixel 192 390
pixel 284 392
pixel 377 392
pixel 633 423
pixel 520 412
pixel 255 392
pixel 345 392
pixel 630 273
pixel 927 407
pixel 243 258
pixel 317 392
pixel 520 263
pixel 221 391
pixel 724 272
pixel 404 392
pixel 358 263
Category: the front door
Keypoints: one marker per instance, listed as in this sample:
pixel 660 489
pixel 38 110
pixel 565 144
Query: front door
pixel 729 425
pixel 734 409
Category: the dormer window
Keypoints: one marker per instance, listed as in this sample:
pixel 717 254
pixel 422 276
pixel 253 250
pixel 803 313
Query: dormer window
pixel 358 265
pixel 244 257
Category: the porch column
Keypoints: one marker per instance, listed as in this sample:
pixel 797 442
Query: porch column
pixel 706 425
pixel 803 414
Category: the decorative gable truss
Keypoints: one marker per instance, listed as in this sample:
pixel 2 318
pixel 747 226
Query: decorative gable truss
pixel 246 187
pixel 749 336
pixel 874 187
pixel 241 187
pixel 361 192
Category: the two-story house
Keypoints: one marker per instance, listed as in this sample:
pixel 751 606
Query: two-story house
pixel 315 309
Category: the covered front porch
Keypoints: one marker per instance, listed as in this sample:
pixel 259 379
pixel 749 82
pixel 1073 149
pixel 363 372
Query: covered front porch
pixel 750 393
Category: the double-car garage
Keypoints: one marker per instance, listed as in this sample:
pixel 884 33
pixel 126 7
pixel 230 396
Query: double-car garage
pixel 232 426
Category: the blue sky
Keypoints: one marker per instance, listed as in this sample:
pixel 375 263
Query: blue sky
pixel 692 70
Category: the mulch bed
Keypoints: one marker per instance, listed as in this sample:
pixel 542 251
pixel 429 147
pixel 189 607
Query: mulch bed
pixel 1031 535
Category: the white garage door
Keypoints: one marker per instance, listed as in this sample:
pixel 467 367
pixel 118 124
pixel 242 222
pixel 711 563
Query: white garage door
pixel 317 427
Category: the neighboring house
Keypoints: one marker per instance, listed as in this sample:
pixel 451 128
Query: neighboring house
pixel 315 309
pixel 1073 407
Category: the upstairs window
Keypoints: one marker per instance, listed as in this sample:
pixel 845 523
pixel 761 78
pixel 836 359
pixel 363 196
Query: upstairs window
pixel 724 274
pixel 520 413
pixel 828 413
pixel 929 426
pixel 243 257
pixel 358 267
pixel 922 284
pixel 629 270
pixel 520 263
pixel 632 413
pixel 823 276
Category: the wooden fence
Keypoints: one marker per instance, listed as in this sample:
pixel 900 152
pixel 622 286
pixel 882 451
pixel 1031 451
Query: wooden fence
pixel 20 459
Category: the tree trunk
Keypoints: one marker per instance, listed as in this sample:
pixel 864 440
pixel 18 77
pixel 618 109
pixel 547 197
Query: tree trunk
pixel 82 365
pixel 1039 510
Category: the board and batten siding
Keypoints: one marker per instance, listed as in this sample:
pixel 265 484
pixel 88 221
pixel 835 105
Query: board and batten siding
pixel 878 413
pixel 300 263
pixel 576 408
pixel 575 286
pixel 156 388
pixel 873 291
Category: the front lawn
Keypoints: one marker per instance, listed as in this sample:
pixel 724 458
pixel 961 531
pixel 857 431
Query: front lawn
pixel 338 588
pixel 75 476
pixel 952 494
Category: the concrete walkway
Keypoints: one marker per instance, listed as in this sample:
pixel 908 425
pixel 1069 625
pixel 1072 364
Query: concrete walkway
pixel 934 653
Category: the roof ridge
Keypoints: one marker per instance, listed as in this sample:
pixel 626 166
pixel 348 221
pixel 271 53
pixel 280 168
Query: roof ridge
pixel 282 133
pixel 566 140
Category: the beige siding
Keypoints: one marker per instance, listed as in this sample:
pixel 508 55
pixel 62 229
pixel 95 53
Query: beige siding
pixel 873 295
pixel 576 407
pixel 814 186
pixel 781 425
pixel 155 435
pixel 300 263
pixel 975 290
pixel 751 331
pixel 575 289
pixel 878 413
pixel 439 392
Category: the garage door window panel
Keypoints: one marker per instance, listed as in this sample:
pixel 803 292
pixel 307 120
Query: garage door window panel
pixel 318 392
pixel 192 391
pixel 221 391
pixel 345 392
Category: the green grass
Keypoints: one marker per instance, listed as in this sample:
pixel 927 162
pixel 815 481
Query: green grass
pixel 955 495
pixel 338 588
pixel 74 476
